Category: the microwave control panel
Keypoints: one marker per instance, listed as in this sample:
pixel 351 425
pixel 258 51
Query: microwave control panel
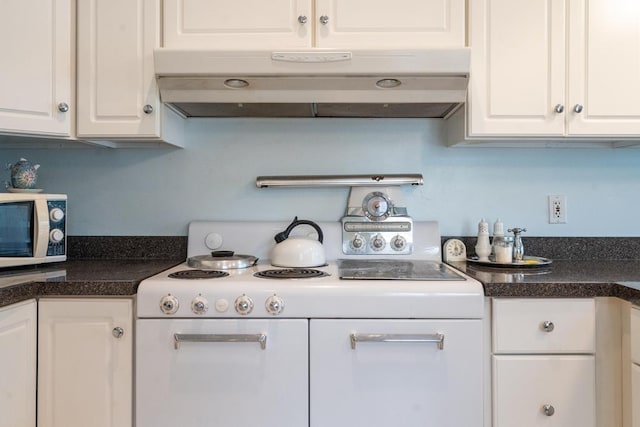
pixel 57 227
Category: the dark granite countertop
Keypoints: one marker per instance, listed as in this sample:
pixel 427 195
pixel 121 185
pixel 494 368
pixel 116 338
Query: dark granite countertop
pixel 117 277
pixel 562 278
pixel 115 265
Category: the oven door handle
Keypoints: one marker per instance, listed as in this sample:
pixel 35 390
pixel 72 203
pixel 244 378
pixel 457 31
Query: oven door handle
pixel 426 338
pixel 259 338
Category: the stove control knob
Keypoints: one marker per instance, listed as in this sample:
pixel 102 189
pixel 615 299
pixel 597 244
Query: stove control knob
pixel 357 243
pixel 274 305
pixel 199 305
pixel 378 243
pixel 169 304
pixel 398 243
pixel 244 305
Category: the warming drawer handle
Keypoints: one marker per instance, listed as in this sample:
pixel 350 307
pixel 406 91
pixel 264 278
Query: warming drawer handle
pixel 259 338
pixel 427 338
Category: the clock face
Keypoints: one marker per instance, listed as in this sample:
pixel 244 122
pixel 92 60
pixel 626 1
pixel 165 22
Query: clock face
pixel 454 250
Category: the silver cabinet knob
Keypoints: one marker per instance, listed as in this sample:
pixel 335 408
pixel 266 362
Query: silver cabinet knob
pixel 548 410
pixel 148 109
pixel 117 332
pixel 578 108
pixel 547 326
pixel 63 107
pixel 302 19
pixel 559 108
pixel 324 19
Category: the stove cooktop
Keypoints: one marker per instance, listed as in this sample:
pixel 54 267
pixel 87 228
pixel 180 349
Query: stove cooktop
pixel 417 285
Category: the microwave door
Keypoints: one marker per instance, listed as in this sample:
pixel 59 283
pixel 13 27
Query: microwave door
pixel 17 229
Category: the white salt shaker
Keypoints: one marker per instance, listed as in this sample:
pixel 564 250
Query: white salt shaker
pixel 483 246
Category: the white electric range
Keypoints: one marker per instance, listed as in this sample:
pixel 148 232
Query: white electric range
pixel 366 339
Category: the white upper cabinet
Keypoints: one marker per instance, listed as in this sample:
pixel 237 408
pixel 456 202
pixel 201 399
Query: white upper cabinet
pixel 290 24
pixel 118 98
pixel 371 24
pixel 604 67
pixel 239 24
pixel 553 69
pixel 37 50
pixel 517 67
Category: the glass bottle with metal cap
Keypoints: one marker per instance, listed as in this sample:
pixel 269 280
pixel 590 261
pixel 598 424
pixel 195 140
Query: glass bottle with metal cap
pixel 518 247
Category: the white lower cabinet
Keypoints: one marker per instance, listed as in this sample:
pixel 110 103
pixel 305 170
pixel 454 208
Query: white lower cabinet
pixel 634 330
pixel 543 362
pixel 85 362
pixel 18 364
pixel 635 395
pixel 544 391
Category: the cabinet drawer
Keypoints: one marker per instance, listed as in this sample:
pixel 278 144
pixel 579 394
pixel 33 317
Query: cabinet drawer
pixel 524 385
pixel 519 326
pixel 635 334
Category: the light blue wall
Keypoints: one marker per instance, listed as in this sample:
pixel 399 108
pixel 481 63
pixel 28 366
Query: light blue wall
pixel 158 191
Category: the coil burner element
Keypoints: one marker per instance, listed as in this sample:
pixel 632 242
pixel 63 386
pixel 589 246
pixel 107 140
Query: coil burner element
pixel 291 273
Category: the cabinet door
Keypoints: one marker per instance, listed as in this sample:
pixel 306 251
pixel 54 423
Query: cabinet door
pixel 635 395
pixel 36 46
pixel 238 24
pixel 116 81
pixel 380 24
pixel 517 68
pixel 18 365
pixel 604 65
pixel 84 364
pixel 524 385
pixel 406 384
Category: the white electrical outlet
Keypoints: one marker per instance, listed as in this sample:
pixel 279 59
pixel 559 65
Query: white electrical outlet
pixel 557 209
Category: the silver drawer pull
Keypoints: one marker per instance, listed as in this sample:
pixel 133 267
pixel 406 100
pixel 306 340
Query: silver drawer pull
pixel 548 410
pixel 259 338
pixel 426 338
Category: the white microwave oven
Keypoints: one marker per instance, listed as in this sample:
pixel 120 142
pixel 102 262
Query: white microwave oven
pixel 33 228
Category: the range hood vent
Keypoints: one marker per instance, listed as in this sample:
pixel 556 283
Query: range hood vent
pixel 316 83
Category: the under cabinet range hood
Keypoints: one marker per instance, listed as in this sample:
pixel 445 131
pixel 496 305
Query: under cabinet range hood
pixel 313 83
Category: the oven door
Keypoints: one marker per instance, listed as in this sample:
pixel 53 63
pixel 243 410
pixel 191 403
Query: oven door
pixel 405 373
pixel 222 373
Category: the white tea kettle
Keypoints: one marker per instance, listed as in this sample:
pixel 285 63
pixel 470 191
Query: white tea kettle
pixel 298 251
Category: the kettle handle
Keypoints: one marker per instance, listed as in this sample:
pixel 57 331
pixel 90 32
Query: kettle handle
pixel 283 235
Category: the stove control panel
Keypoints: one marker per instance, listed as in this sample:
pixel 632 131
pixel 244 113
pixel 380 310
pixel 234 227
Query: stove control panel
pixel 243 305
pixel 390 236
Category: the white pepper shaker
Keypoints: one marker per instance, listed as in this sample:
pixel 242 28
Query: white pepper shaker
pixel 498 228
pixel 483 246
